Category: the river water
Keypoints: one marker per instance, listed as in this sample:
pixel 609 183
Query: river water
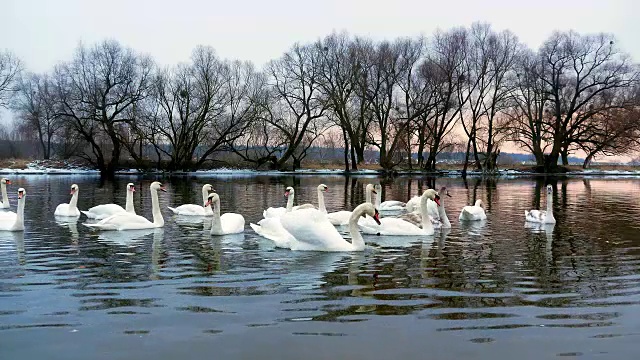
pixel 494 289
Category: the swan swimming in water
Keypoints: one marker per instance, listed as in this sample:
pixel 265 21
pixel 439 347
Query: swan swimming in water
pixel 228 223
pixel 473 213
pixel 542 216
pixel 127 221
pixel 100 212
pixel 312 231
pixel 70 209
pixel 400 227
pixel 193 209
pixel 15 221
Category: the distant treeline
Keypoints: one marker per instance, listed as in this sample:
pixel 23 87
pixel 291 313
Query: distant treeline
pixel 466 90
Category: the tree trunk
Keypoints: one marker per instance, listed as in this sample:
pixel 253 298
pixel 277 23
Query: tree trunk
pixel 354 159
pixel 466 158
pixel 587 161
pixel 346 150
pixel 565 157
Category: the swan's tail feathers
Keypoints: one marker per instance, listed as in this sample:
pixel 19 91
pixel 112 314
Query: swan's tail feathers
pixel 465 214
pixel 526 213
pixel 174 210
pixel 256 228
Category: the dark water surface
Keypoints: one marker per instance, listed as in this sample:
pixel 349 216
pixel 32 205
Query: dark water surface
pixel 494 290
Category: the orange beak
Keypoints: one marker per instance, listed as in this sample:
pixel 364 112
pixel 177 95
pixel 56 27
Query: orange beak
pixel 20 194
pixel 162 188
pixel 8 182
pixel 207 203
pixel 437 199
pixel 376 217
pixel 72 192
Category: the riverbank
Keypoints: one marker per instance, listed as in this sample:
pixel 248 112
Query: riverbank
pixel 55 167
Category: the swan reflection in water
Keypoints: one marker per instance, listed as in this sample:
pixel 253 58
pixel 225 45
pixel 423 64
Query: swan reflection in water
pixel 9 240
pixel 547 230
pixel 129 238
pixel 72 225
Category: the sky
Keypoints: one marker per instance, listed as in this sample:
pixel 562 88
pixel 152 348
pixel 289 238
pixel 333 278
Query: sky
pixel 45 32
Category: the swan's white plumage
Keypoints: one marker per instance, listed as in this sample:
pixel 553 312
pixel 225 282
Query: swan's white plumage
pixel 70 209
pixel 193 209
pixel 128 221
pixel 473 213
pixel 542 216
pixel 271 228
pixel 229 223
pixel 15 221
pixel 401 227
pixel 312 231
pixel 103 211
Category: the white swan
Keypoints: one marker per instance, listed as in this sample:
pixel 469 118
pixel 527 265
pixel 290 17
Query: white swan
pixel 4 204
pixel 400 227
pixel 312 230
pixel 275 212
pixel 321 188
pixel 195 210
pixel 228 223
pixel 542 216
pixel 271 228
pixel 70 209
pixel 340 218
pixel 15 222
pixel 100 212
pixel 473 213
pixel 126 221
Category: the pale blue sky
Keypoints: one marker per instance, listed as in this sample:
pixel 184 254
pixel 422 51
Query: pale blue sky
pixel 44 32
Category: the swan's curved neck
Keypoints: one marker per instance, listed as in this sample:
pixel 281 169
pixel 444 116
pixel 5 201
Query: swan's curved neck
pixel 73 204
pixel 216 223
pixel 290 201
pixel 427 226
pixel 5 197
pixel 443 214
pixel 205 198
pixel 158 220
pixel 367 196
pixel 129 203
pixel 550 206
pixel 19 224
pixel 378 199
pixel 356 238
pixel 321 206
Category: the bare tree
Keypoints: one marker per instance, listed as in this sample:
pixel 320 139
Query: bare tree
pixel 10 68
pixel 444 70
pixel 583 75
pixel 96 90
pixel 490 64
pixel 35 105
pixel 200 107
pixel 294 113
